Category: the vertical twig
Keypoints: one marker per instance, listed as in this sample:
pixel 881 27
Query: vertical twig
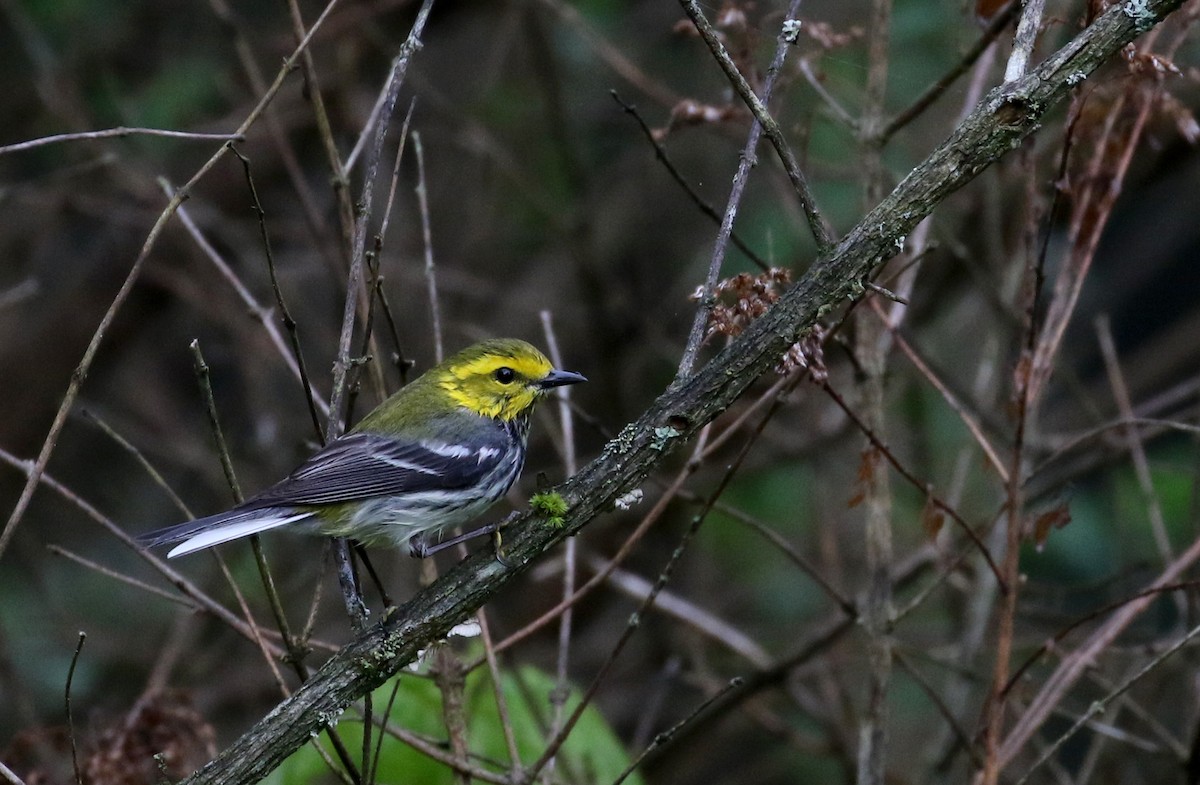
pixel 450 679
pixel 506 724
pixel 260 559
pixel 70 717
pixel 401 363
pixel 296 652
pixel 1024 404
pixel 355 278
pixel 558 697
pixel 1137 452
pixel 429 566
pixel 435 310
pixel 871 349
pixel 354 282
pixel 247 57
pixel 214 422
pixel 341 183
pixel 285 315
pixel 1026 37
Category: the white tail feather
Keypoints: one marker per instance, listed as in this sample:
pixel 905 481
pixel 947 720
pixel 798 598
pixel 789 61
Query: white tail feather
pixel 233 531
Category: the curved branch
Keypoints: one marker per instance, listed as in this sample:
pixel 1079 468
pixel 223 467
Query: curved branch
pixel 1005 116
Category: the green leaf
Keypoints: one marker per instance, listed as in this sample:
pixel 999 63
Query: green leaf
pixel 591 753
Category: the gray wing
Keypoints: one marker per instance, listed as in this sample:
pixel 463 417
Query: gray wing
pixel 364 465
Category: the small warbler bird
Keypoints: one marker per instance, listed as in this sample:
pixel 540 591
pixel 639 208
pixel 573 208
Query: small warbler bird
pixel 434 455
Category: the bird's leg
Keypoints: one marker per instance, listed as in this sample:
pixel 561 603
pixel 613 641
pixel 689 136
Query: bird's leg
pixel 362 555
pixel 419 548
pixel 498 543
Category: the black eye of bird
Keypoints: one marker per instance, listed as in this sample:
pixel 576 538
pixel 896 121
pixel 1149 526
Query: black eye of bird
pixel 504 375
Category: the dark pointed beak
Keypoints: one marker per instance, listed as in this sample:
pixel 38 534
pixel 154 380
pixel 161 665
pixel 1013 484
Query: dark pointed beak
pixel 559 378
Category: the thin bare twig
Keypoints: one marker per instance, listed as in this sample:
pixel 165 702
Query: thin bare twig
pixel 261 313
pixel 1137 452
pixel 354 283
pixel 665 737
pixel 354 280
pixel 141 458
pixel 1098 707
pixel 188 589
pixel 821 233
pixel 459 765
pixel 435 311
pixel 1090 214
pixel 675 606
pixel 448 675
pixel 214 422
pixel 995 27
pixel 872 342
pixel 379 292
pixel 949 397
pixel 9 776
pixel 708 294
pixel 934 695
pixel 1157 426
pixel 562 687
pixel 312 91
pixel 913 480
pixel 660 584
pixel 598 579
pixel 295 651
pixel 818 87
pixel 1072 667
pixel 70 716
pixel 661 154
pixel 788 550
pixel 248 59
pixel 119 132
pixel 285 315
pixel 1060 635
pixel 506 723
pixel 1014 490
pixel 611 54
pixel 121 578
pixel 674 489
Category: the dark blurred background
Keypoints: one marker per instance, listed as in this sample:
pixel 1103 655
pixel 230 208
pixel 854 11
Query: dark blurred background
pixel 544 195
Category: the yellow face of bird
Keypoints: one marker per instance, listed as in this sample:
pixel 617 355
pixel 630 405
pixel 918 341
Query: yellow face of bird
pixel 498 379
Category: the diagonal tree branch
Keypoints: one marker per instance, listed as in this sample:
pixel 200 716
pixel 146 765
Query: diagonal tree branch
pixel 1004 117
